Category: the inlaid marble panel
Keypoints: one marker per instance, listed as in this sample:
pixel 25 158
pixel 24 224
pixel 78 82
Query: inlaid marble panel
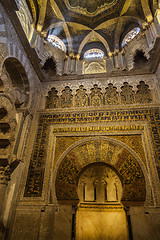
pixel 101 224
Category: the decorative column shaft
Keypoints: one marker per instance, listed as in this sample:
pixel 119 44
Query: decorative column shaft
pixel 4 178
pixel 128 218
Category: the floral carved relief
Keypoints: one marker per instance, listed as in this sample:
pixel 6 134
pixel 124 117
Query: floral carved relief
pixel 52 99
pixel 66 98
pixel 111 95
pixel 81 97
pixel 143 94
pixel 96 97
pixel 127 94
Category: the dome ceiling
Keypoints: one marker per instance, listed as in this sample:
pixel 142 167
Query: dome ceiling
pixel 92 7
pixel 77 22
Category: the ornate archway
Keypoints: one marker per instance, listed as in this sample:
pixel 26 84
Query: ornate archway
pixel 116 160
pixel 101 149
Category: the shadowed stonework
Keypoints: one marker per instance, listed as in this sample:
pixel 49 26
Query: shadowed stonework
pixel 127 94
pixel 66 98
pixel 52 100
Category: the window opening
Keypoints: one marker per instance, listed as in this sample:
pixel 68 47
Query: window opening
pixel 94 53
pixel 130 35
pixel 56 42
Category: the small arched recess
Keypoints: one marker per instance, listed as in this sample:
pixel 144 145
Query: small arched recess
pixel 19 81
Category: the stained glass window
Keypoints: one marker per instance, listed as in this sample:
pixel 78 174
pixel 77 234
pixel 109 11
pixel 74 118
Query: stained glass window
pixel 94 53
pixel 130 35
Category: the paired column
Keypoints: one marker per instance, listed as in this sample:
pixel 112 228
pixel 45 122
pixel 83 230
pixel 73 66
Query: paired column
pixel 4 178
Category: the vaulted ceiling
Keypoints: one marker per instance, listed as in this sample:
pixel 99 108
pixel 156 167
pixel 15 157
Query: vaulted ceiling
pixel 77 22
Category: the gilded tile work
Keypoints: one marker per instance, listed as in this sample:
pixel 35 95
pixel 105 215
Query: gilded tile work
pixel 78 158
pixel 107 151
pixel 37 163
pixel 134 142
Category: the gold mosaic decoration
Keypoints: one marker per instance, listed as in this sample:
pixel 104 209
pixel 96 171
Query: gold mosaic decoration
pixel 91 6
pixel 38 160
pixel 134 142
pixel 93 67
pixel 90 152
pixel 107 151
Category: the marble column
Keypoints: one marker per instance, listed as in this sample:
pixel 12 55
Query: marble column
pixel 47 223
pixel 4 178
